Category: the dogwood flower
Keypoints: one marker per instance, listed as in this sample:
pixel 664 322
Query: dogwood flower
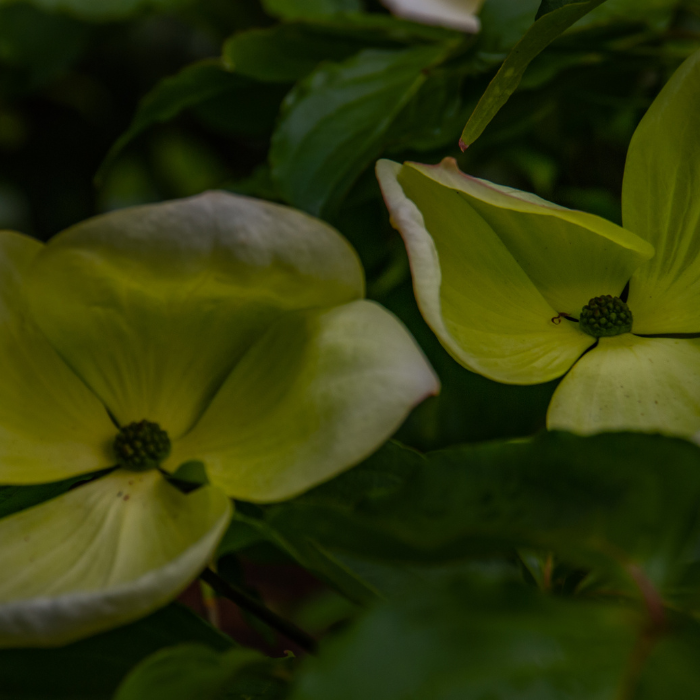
pixel 455 14
pixel 216 329
pixel 523 291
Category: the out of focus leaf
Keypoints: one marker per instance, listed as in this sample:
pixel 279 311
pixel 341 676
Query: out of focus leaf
pixel 335 121
pixel 471 642
pixel 553 18
pixel 101 10
pixel 44 45
pixel 190 672
pixel 247 110
pixel 194 85
pixel 288 52
pixel 92 669
pixel 656 13
pixel 671 669
pixel 305 9
pixel 504 22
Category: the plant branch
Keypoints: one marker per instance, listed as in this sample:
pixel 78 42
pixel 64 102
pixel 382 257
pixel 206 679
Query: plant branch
pixel 256 608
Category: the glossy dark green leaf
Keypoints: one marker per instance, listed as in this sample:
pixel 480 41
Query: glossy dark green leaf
pixel 188 672
pixel 335 121
pixel 92 669
pixel 465 642
pixel 194 85
pixel 549 25
pixel 623 504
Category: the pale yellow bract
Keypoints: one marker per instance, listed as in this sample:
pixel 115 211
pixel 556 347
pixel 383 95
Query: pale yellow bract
pixel 494 269
pixel 237 325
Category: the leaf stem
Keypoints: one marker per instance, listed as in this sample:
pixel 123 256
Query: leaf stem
pixel 254 607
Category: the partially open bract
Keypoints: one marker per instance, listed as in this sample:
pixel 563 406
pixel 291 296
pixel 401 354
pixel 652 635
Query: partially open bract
pixel 501 276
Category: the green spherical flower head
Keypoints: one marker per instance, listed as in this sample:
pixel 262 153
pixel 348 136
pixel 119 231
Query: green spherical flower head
pixel 141 445
pixel 605 316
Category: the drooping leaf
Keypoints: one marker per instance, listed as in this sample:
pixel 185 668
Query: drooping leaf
pixel 92 669
pixel 334 122
pixel 550 23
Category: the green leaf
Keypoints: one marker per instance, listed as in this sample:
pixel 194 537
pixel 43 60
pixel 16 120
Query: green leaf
pixel 93 668
pixel 289 51
pixel 432 119
pixel 310 9
pixel 550 23
pixel 334 122
pixel 195 84
pixel 658 14
pixel 472 642
pixel 190 672
pixel 547 6
pixel 621 504
pixel 504 22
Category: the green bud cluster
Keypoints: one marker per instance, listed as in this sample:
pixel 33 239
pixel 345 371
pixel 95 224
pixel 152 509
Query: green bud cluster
pixel 605 316
pixel 141 445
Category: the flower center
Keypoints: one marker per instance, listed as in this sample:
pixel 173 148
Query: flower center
pixel 605 316
pixel 141 445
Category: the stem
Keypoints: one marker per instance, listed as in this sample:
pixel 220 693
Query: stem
pixel 254 607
